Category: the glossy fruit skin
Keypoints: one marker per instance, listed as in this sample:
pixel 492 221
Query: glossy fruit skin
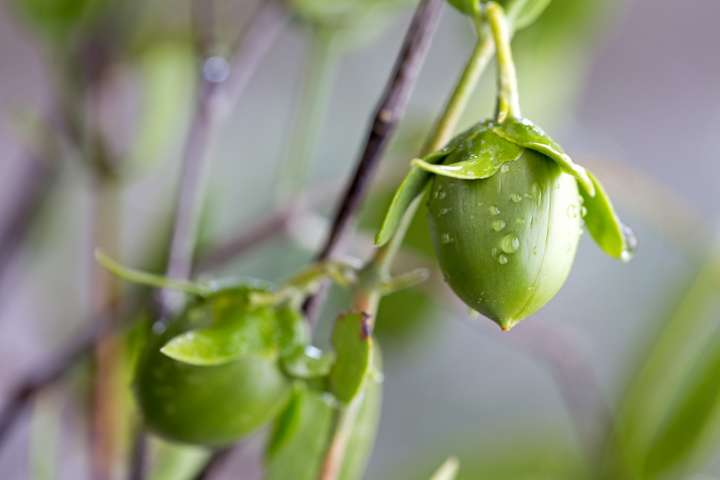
pixel 206 405
pixel 506 243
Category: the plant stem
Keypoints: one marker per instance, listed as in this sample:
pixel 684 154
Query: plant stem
pixel 508 98
pixel 388 112
pixel 367 299
pixel 310 114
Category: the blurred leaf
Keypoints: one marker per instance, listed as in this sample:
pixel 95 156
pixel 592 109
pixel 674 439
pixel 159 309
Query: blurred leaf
pixel 691 415
pixel 661 376
pixel 57 19
pixel 307 362
pixel 299 439
pixel 523 13
pixel 292 329
pixel 167 73
pixel 448 470
pixel 534 452
pixel 175 462
pixel 404 317
pixel 364 429
pixel 353 349
pixel 240 332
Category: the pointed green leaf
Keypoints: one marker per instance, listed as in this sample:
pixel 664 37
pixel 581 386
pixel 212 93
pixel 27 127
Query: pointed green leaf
pixel 308 362
pixel 363 431
pixel 523 13
pixel 300 437
pixel 448 470
pixel 241 332
pixel 604 226
pixel 526 134
pixel 292 330
pixel 414 184
pixel 692 417
pixel 411 187
pixel 480 156
pixel 353 349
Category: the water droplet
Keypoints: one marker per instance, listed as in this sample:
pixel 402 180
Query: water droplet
pixel 158 328
pixel 441 194
pixel 510 243
pixel 502 259
pixel 535 190
pixel 505 168
pixel 493 210
pixel 583 211
pixel 446 238
pixel 216 69
pixel 516 198
pixel 444 211
pixel 573 211
pixel 498 225
pixel 631 244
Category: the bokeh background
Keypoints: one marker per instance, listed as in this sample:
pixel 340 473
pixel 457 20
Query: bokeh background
pixel 630 88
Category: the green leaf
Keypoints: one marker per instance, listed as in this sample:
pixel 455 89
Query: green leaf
pixel 692 414
pixel 448 470
pixel 292 329
pixel 604 226
pixel 411 187
pixel 300 437
pixel 353 349
pixel 523 13
pixel 308 362
pixel 414 184
pixel 287 422
pixel 364 427
pixel 526 134
pixel 480 156
pixel 240 332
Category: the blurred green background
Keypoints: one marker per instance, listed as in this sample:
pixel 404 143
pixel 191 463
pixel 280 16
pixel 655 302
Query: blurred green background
pixel 617 377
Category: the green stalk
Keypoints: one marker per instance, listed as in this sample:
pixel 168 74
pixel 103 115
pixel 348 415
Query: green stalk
pixel 310 114
pixel 376 271
pixel 508 97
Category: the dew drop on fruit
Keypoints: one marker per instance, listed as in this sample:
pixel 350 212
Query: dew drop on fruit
pixel 493 210
pixel 504 168
pixel 446 238
pixel 572 211
pixel 502 259
pixel 515 198
pixel 498 225
pixel 510 243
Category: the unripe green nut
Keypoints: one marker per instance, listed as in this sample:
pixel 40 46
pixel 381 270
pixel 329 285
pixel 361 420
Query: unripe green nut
pixel 506 209
pixel 506 243
pixel 206 405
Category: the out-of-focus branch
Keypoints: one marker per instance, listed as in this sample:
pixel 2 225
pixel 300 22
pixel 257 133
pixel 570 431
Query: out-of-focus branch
pixel 267 22
pixel 217 77
pixel 37 177
pixel 388 112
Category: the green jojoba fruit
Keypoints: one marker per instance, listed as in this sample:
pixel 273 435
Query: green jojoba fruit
pixel 506 209
pixel 218 399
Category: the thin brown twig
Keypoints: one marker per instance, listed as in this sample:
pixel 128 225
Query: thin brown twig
pixel 390 109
